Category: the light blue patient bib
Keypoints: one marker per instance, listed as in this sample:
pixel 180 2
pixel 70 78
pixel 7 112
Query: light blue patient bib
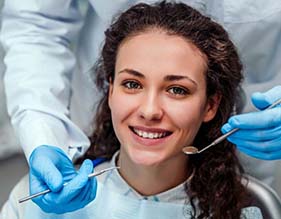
pixel 112 205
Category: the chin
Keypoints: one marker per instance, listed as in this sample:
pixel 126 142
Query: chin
pixel 146 158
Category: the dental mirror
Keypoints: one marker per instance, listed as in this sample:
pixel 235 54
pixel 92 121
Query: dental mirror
pixel 194 150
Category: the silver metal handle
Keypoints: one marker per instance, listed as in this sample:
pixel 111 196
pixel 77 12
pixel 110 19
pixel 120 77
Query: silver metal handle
pixel 48 190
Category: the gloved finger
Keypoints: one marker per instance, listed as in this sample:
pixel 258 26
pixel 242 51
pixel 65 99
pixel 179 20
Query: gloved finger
pixel 265 146
pixel 47 173
pixel 86 190
pixel 45 207
pixel 93 186
pixel 36 185
pixel 255 134
pixel 73 187
pixel 263 100
pixel 226 128
pixel 261 155
pixel 88 193
pixel 257 120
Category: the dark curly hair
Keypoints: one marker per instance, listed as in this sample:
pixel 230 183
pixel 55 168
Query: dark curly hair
pixel 216 185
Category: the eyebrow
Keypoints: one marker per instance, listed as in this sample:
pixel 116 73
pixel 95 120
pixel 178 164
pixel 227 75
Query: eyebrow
pixel 177 78
pixel 166 78
pixel 132 72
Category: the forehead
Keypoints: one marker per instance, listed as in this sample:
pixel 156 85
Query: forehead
pixel 155 51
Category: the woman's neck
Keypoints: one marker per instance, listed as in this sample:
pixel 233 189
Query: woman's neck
pixel 152 180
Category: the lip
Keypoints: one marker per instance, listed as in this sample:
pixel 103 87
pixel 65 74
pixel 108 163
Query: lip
pixel 147 141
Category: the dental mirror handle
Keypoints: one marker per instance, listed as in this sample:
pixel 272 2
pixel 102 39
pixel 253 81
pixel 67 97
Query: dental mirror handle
pixel 221 138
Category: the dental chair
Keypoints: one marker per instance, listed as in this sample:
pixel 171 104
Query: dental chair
pixel 263 197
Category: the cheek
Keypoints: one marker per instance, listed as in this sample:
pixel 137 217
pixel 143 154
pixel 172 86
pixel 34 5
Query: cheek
pixel 118 114
pixel 117 104
pixel 121 107
pixel 187 116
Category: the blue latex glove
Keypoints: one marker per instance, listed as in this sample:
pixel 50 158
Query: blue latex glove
pixel 260 132
pixel 50 168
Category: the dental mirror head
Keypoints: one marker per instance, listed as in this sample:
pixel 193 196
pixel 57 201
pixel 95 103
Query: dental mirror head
pixel 190 150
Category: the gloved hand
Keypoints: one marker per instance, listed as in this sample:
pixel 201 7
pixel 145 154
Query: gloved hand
pixel 260 132
pixel 51 168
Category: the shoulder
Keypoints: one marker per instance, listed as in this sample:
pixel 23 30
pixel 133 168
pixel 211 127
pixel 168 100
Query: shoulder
pixel 251 213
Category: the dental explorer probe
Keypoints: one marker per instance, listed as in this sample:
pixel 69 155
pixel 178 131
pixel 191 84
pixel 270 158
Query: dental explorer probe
pixel 48 190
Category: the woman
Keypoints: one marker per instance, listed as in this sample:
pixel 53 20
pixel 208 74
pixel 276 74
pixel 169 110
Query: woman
pixel 169 78
pixel 136 57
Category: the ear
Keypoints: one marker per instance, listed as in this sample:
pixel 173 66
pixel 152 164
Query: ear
pixel 110 92
pixel 212 105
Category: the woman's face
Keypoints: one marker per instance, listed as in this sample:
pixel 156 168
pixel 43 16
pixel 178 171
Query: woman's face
pixel 158 97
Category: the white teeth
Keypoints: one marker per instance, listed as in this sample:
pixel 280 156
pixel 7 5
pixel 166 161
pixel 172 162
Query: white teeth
pixel 145 134
pixel 150 135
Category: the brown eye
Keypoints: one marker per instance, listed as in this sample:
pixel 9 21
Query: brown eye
pixel 131 85
pixel 178 91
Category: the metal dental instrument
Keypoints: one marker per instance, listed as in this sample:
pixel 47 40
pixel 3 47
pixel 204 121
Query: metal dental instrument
pixel 48 190
pixel 194 150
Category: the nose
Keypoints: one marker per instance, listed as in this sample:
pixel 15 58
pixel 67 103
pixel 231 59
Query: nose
pixel 151 108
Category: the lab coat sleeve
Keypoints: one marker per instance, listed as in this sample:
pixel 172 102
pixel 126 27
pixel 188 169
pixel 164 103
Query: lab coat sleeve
pixel 12 208
pixel 38 36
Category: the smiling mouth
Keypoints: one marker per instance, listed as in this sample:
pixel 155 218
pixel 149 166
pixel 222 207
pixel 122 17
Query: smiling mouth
pixel 150 135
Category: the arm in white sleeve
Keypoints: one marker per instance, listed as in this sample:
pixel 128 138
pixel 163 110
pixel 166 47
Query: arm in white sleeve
pixel 37 36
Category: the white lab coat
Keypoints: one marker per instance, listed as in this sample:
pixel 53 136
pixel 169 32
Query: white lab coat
pixel 50 94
